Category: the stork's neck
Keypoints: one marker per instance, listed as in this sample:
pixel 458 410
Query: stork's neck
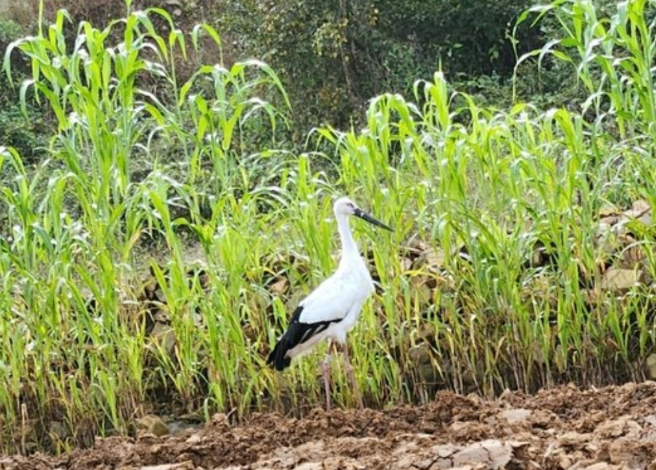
pixel 349 248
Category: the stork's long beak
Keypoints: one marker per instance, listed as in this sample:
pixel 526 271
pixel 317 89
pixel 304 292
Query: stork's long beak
pixel 364 216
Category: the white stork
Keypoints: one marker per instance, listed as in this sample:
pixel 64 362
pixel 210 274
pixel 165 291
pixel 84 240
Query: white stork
pixel 333 308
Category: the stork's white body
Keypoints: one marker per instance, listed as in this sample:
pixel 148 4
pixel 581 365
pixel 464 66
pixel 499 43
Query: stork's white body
pixel 340 297
pixel 333 308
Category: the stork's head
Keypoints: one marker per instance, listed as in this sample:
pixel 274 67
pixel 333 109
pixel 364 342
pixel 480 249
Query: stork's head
pixel 345 206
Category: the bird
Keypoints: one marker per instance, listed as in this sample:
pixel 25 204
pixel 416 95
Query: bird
pixel 331 310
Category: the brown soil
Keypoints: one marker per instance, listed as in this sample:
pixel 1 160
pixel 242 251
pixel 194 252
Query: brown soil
pixel 613 427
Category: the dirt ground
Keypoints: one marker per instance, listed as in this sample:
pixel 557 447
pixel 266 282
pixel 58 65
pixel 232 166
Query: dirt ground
pixel 564 428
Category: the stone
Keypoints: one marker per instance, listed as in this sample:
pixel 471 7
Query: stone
pixel 491 452
pixel 171 466
pixel 600 466
pixel 444 451
pixel 516 415
pixel 154 425
pixel 651 366
pixel 164 335
pixel 620 279
pixel 309 466
pixel 59 430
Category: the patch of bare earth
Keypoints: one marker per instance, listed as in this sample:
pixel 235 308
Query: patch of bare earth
pixel 563 428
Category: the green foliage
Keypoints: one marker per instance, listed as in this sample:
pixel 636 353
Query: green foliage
pixel 334 55
pixel 611 54
pixel 27 134
pixel 482 187
pixel 74 222
pixel 9 30
pixel 22 133
pixel 469 38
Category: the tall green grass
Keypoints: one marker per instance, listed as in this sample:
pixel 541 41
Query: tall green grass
pixel 480 186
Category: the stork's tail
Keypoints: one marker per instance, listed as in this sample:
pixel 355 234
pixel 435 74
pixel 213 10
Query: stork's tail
pixel 278 358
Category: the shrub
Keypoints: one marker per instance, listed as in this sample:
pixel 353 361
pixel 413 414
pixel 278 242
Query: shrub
pixel 335 54
pixel 26 135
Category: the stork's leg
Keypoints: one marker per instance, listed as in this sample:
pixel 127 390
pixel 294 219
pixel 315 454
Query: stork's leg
pixel 326 374
pixel 349 372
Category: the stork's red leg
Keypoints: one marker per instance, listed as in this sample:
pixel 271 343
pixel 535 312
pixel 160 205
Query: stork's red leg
pixel 349 371
pixel 326 373
pixel 326 381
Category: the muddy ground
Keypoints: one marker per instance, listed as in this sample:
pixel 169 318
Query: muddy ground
pixel 613 427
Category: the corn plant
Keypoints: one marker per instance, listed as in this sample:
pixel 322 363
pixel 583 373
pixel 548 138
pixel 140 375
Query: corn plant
pixel 149 171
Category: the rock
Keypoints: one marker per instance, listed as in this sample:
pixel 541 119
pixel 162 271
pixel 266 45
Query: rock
pixel 638 209
pixel 416 245
pixel 620 279
pixel 406 264
pixel 420 354
pixel 606 222
pixel 618 427
pixel 600 466
pixel 491 452
pixel 517 415
pixel 440 457
pixel 153 425
pixel 650 420
pixel 430 260
pixel 421 291
pixel 279 287
pixel 499 453
pixel 564 461
pixel 629 452
pixel 650 364
pixel 59 430
pixel 632 256
pixel 441 464
pixel 608 210
pixel 645 219
pixel 220 419
pixel 573 438
pixel 162 316
pixel 434 259
pixel 171 466
pixel 309 466
pixel 193 439
pixel 165 336
pixel 340 463
pixel 444 451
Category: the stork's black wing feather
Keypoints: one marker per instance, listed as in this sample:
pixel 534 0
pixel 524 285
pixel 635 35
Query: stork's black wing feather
pixel 297 333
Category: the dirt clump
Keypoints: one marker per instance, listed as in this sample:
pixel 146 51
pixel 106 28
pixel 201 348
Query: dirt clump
pixel 562 428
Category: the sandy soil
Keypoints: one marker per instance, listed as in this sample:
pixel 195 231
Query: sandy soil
pixel 564 428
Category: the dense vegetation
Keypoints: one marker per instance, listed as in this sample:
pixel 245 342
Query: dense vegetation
pixel 496 275
pixel 336 54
